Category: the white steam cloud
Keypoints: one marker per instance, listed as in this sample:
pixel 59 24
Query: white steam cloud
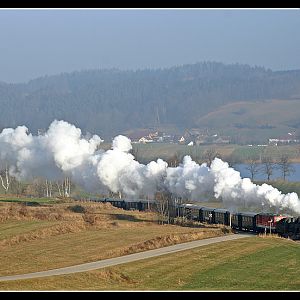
pixel 63 151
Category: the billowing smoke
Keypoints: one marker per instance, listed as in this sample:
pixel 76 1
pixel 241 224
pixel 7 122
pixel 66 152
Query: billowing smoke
pixel 63 151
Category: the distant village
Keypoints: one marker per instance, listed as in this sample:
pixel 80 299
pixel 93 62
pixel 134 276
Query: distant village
pixel 189 137
pixel 196 137
pixel 290 138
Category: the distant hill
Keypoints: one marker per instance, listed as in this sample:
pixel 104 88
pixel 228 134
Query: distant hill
pixel 256 121
pixel 109 102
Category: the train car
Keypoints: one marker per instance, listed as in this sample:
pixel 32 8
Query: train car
pixel 189 211
pixel 222 216
pixel 267 222
pixel 235 223
pixel 244 221
pixel 115 202
pixel 145 204
pixel 248 221
pixel 180 210
pixel 195 212
pixel 206 214
pixel 132 204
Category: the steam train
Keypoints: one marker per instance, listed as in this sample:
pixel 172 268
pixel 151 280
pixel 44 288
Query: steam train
pixel 285 226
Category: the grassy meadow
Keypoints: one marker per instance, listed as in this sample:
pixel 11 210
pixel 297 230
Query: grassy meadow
pixel 229 152
pixel 255 263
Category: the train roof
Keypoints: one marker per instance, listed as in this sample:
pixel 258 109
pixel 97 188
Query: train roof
pixel 190 205
pixel 269 214
pixel 130 200
pixel 247 214
pixel 223 210
pixel 207 208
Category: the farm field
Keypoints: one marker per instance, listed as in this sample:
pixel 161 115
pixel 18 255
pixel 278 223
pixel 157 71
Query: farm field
pixel 256 263
pixel 37 201
pixel 233 152
pixel 58 235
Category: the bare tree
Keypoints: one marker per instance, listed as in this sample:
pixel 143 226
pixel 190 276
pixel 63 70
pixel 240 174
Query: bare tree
pixel 210 154
pixel 174 160
pixel 37 188
pixel 162 206
pixel 48 185
pixel 233 160
pixel 63 187
pixel 17 187
pixel 59 186
pixel 285 166
pixel 268 166
pixel 253 166
pixel 67 187
pixel 5 179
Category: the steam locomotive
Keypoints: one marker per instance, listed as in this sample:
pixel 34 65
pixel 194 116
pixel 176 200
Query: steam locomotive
pixel 285 226
pixel 289 228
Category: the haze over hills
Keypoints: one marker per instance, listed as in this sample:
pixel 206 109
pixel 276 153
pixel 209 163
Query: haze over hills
pixel 249 103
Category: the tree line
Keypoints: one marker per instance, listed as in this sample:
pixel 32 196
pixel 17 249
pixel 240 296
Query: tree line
pixel 265 164
pixel 109 102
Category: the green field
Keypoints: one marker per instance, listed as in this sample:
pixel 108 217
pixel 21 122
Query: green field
pixel 228 152
pixel 44 200
pixel 254 263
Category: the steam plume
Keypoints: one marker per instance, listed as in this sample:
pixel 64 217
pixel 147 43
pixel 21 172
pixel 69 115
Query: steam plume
pixel 63 151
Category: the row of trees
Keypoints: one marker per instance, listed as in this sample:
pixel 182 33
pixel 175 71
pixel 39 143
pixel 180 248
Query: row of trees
pixel 39 187
pixel 115 100
pixel 267 166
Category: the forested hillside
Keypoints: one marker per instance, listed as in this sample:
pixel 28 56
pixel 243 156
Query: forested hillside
pixel 108 102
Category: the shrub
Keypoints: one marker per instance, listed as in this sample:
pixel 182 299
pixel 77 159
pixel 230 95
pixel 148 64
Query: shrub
pixel 77 209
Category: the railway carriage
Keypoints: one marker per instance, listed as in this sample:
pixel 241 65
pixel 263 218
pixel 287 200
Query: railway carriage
pixel 207 215
pixel 235 224
pixel 244 221
pixel 222 216
pixel 248 221
pixel 267 222
pixel 189 211
pixel 195 212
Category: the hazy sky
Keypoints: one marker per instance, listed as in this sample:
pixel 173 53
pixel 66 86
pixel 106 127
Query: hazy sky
pixel 34 43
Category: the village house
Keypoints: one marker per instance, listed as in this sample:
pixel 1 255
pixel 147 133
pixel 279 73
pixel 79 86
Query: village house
pixel 290 138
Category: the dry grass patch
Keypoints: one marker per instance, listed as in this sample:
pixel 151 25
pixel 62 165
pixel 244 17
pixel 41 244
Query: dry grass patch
pixel 79 232
pixel 92 244
pixel 58 219
pixel 43 233
pixel 166 240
